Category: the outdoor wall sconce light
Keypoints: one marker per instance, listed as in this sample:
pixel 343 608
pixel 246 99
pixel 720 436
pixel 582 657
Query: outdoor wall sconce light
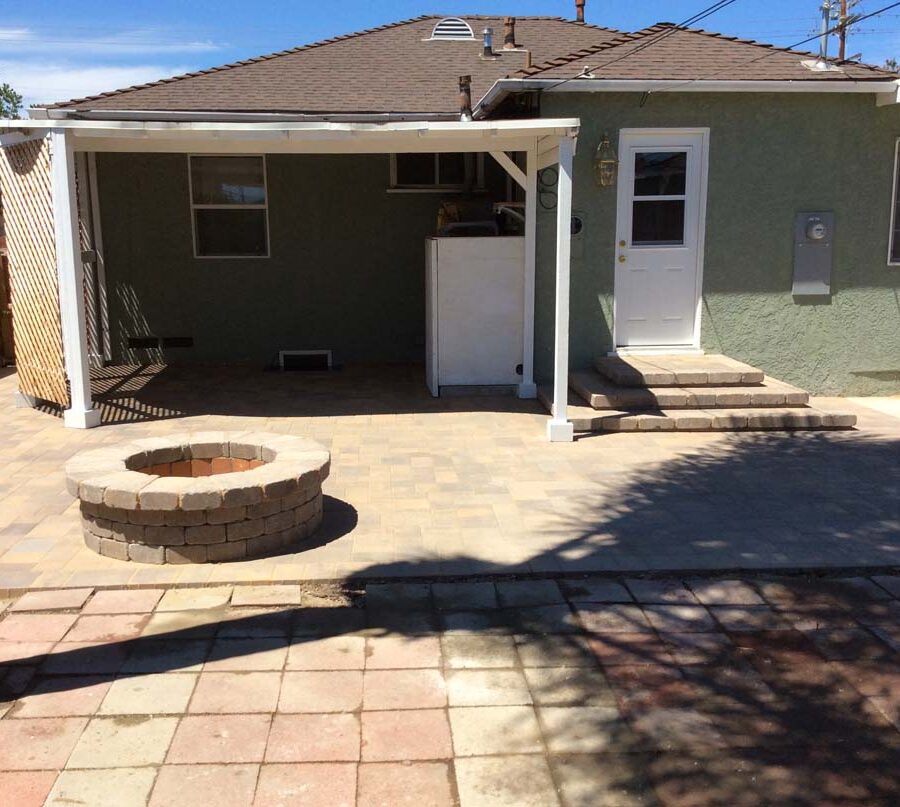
pixel 606 164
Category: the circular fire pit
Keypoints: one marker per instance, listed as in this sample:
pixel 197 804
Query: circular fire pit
pixel 193 498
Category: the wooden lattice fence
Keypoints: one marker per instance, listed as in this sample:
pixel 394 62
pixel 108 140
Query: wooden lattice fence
pixel 25 184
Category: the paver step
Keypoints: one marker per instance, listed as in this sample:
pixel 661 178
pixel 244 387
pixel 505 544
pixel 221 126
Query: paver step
pixel 601 393
pixel 677 371
pixel 586 419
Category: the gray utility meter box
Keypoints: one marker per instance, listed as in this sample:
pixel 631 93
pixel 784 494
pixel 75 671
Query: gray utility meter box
pixel 813 240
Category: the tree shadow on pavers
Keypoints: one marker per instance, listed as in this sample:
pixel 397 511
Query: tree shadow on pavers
pixel 142 393
pixel 753 501
pixel 779 703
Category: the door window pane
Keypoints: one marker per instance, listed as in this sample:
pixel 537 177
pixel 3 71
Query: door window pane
pixel 228 181
pixel 657 223
pixel 660 173
pixel 231 232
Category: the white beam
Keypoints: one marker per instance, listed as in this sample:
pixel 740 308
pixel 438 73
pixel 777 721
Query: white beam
pixel 888 98
pixel 526 127
pixel 13 138
pixel 206 143
pixel 80 414
pixel 510 167
pixel 559 429
pixel 547 158
pixel 528 389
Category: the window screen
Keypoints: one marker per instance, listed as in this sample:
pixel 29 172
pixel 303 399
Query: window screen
pixel 229 206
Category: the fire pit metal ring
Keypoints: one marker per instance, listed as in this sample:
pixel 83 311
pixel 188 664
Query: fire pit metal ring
pixel 206 496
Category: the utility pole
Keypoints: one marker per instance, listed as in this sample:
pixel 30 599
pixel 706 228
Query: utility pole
pixel 842 31
pixel 846 18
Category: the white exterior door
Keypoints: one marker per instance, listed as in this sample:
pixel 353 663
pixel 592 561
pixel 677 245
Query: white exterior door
pixel 659 238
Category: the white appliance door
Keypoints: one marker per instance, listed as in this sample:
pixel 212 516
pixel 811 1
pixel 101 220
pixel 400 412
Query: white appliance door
pixel 480 289
pixel 658 239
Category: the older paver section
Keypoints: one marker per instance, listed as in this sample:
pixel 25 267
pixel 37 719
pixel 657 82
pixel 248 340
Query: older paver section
pixel 687 692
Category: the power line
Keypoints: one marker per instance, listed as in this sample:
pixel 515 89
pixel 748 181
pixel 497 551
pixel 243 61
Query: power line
pixel 778 50
pixel 656 38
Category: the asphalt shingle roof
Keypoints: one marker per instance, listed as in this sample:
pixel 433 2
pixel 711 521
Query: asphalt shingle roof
pixel 664 51
pixel 394 68
pixel 397 69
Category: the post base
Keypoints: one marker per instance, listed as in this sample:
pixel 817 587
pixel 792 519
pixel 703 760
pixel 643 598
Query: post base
pixel 24 401
pixel 527 391
pixel 560 431
pixel 75 419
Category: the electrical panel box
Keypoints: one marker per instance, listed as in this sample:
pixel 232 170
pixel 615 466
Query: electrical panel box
pixel 813 243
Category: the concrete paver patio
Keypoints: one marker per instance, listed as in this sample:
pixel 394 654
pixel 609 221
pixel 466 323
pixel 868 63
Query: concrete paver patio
pixel 572 693
pixel 423 487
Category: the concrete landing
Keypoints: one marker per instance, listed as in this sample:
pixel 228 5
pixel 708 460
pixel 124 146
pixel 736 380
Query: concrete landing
pixel 677 370
pixel 689 393
pixel 602 393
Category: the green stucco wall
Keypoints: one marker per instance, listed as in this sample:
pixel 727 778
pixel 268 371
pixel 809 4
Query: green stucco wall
pixel 346 271
pixel 771 156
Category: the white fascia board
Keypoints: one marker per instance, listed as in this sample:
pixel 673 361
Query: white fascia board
pixel 507 85
pixel 531 127
pixel 303 137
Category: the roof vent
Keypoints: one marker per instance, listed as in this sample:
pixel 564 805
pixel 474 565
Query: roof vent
pixel 452 28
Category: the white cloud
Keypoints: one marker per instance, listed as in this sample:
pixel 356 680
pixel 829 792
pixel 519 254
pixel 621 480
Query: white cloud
pixel 10 35
pixel 141 41
pixel 45 82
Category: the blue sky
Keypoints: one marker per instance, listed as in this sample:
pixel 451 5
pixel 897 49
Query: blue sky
pixel 51 49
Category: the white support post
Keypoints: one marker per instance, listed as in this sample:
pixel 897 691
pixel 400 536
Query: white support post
pixel 559 429
pixel 81 414
pixel 528 389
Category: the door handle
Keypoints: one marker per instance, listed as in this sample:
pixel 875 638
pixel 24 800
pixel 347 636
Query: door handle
pixel 622 259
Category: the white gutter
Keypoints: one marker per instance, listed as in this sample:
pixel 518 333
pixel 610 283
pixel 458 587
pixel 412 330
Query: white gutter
pixel 505 86
pixel 42 113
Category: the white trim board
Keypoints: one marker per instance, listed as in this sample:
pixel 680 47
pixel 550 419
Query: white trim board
pixel 885 91
pixel 894 204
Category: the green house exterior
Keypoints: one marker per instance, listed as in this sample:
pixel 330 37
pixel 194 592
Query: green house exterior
pixel 235 214
pixel 347 256
pixel 770 157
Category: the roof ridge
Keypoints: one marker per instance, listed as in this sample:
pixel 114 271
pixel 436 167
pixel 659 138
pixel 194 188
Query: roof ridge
pixel 575 55
pixel 242 62
pixel 555 18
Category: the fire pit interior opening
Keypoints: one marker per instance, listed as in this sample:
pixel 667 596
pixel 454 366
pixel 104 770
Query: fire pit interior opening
pixel 234 458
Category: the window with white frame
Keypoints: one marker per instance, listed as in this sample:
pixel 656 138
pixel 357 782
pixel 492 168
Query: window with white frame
pixel 446 171
pixel 229 206
pixel 894 241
